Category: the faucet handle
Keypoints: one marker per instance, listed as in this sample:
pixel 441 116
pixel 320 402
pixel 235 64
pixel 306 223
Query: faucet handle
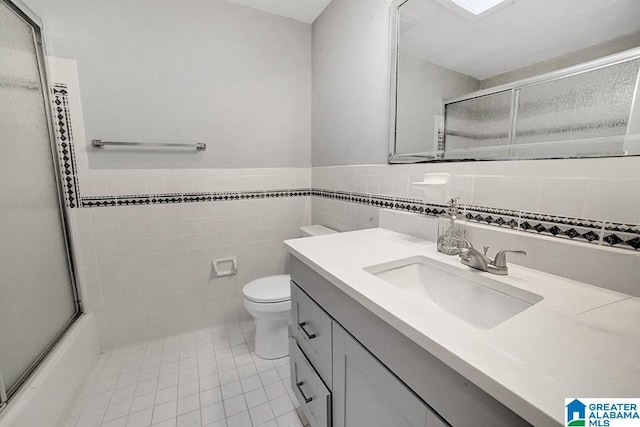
pixel 465 247
pixel 500 260
pixel 465 243
pixel 486 249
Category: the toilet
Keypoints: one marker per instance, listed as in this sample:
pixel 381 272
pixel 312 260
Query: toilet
pixel 268 300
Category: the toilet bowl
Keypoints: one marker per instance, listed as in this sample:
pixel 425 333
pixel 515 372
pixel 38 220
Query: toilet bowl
pixel 268 300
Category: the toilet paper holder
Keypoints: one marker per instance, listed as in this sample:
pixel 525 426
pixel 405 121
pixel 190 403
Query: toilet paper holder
pixel 224 266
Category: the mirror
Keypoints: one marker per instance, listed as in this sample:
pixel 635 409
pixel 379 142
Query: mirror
pixel 524 79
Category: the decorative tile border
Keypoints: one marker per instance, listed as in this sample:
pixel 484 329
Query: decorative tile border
pixel 624 236
pixel 65 146
pixel 98 202
pixel 496 217
pixel 380 201
pixel 580 222
pixel 572 232
pixel 578 229
pixel 170 198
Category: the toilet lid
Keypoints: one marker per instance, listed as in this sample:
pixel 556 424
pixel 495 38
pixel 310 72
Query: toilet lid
pixel 268 289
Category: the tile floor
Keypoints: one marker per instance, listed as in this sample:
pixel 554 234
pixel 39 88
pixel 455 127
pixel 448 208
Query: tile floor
pixel 206 378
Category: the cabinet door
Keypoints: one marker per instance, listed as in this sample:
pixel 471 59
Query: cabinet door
pixel 313 395
pixel 435 421
pixel 312 331
pixel 366 393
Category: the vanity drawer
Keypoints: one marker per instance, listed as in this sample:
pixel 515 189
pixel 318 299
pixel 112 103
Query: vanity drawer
pixel 313 395
pixel 312 331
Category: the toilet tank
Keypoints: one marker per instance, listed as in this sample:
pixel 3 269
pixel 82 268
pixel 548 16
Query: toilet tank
pixel 314 230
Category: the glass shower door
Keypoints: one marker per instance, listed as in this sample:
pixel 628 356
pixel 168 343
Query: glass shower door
pixel 37 292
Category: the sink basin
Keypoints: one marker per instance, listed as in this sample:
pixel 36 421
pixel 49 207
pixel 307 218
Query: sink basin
pixel 477 300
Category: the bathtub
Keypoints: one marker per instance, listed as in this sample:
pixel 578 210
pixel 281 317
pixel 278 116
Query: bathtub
pixel 43 399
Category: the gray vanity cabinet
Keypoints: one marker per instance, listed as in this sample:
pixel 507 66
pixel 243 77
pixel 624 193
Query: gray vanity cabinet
pixel 349 368
pixel 313 395
pixel 311 329
pixel 376 396
pixel 310 358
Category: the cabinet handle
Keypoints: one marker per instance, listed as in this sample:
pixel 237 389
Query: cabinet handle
pixel 309 336
pixel 306 399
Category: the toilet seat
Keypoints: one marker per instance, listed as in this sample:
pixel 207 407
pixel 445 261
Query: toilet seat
pixel 267 308
pixel 270 289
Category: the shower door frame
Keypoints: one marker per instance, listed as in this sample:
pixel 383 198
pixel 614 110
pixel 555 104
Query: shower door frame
pixel 26 14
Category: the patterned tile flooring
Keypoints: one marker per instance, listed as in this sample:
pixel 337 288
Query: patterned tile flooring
pixel 207 378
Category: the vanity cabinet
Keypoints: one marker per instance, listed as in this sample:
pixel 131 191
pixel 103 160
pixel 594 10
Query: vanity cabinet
pixel 376 396
pixel 310 358
pixel 365 392
pixel 312 332
pixel 360 371
pixel 313 395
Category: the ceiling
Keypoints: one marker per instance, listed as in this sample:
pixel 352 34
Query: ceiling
pixel 513 36
pixel 300 10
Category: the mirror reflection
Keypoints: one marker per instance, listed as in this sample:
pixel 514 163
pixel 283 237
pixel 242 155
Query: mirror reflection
pixel 524 79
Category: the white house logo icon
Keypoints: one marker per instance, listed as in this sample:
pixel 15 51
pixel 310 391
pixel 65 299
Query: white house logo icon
pixel 576 413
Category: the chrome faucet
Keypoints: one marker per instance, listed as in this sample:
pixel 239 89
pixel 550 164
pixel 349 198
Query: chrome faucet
pixel 473 258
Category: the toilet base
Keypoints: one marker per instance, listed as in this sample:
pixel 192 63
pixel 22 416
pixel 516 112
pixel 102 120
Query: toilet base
pixel 272 339
pixel 272 327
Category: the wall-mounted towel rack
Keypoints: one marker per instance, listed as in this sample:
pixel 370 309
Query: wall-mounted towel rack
pixel 100 144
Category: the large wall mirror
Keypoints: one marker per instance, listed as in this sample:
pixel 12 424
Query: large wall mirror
pixel 523 79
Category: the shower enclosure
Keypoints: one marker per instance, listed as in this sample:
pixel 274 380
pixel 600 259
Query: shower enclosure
pixel 38 298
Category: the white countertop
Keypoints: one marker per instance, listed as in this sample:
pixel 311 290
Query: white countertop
pixel 579 341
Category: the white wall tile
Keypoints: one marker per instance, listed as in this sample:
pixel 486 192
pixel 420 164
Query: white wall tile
pixel 361 184
pixel 157 280
pixel 401 185
pixel 520 193
pixel 487 190
pixel 145 270
pixel 386 184
pixel 461 186
pixel 613 200
pixel 520 188
pixel 563 196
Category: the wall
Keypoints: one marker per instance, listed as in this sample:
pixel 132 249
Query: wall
pixel 610 47
pixel 145 238
pixel 580 200
pixel 593 190
pixel 146 270
pixel 353 35
pixel 591 264
pixel 422 86
pixel 204 70
pixel 585 240
pixel 146 235
pixel 350 83
pixel 351 73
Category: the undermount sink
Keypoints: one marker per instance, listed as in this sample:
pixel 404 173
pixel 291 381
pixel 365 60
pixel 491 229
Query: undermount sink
pixel 477 300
